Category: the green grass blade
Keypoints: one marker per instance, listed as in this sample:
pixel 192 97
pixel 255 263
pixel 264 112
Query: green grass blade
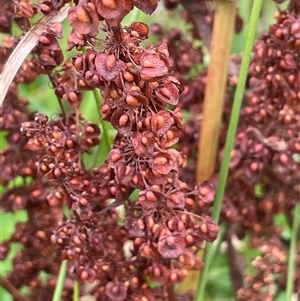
pixel 293 252
pixel 76 291
pixel 60 281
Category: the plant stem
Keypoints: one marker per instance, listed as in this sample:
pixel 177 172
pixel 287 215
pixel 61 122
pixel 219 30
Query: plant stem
pixel 234 117
pixel 6 284
pixel 76 291
pixel 215 89
pixel 293 253
pixel 60 281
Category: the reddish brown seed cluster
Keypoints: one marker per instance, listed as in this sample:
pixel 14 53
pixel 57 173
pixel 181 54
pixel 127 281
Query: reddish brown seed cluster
pixel 147 91
pixel 270 267
pixel 268 154
pixel 168 221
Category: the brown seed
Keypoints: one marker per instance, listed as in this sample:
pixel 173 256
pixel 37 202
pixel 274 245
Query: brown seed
pixel 105 108
pixel 90 129
pixel 128 76
pixel 189 239
pixel 111 4
pixel 170 135
pixel 203 228
pixel 254 166
pixel 173 277
pixel 160 161
pixel 204 191
pixel 189 202
pixel 145 140
pixel 278 33
pixel 175 199
pixel 287 119
pixel 155 228
pixel 83 201
pixel 84 275
pixel 148 64
pixel 72 96
pixel 137 241
pixel 70 143
pixel 116 156
pixel 53 148
pixel 57 172
pixel 135 34
pixel 132 101
pixel 295 28
pixel 123 120
pixel 284 159
pixel 160 122
pixel 150 196
pixel 77 240
pixel 58 194
pixel 110 62
pixel 44 8
pixel 44 40
pixel 147 250
pixel 82 14
pixel 170 224
pixel 156 272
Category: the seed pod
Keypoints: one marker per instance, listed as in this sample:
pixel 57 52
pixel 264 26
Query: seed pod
pixel 110 62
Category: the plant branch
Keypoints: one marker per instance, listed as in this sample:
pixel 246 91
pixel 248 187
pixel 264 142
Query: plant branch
pixel 7 285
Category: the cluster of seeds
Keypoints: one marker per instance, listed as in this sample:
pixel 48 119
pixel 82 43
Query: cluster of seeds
pixel 168 221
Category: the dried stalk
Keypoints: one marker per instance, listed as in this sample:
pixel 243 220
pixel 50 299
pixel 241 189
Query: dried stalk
pixel 25 46
pixel 215 88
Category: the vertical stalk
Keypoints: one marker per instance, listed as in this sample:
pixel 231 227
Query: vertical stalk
pixel 60 281
pixel 234 117
pixel 293 253
pixel 215 89
pixel 76 291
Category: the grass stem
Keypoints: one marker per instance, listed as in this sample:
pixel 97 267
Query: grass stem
pixel 293 253
pixel 60 281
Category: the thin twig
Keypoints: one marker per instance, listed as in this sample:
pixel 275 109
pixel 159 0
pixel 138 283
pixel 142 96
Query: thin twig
pixel 7 285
